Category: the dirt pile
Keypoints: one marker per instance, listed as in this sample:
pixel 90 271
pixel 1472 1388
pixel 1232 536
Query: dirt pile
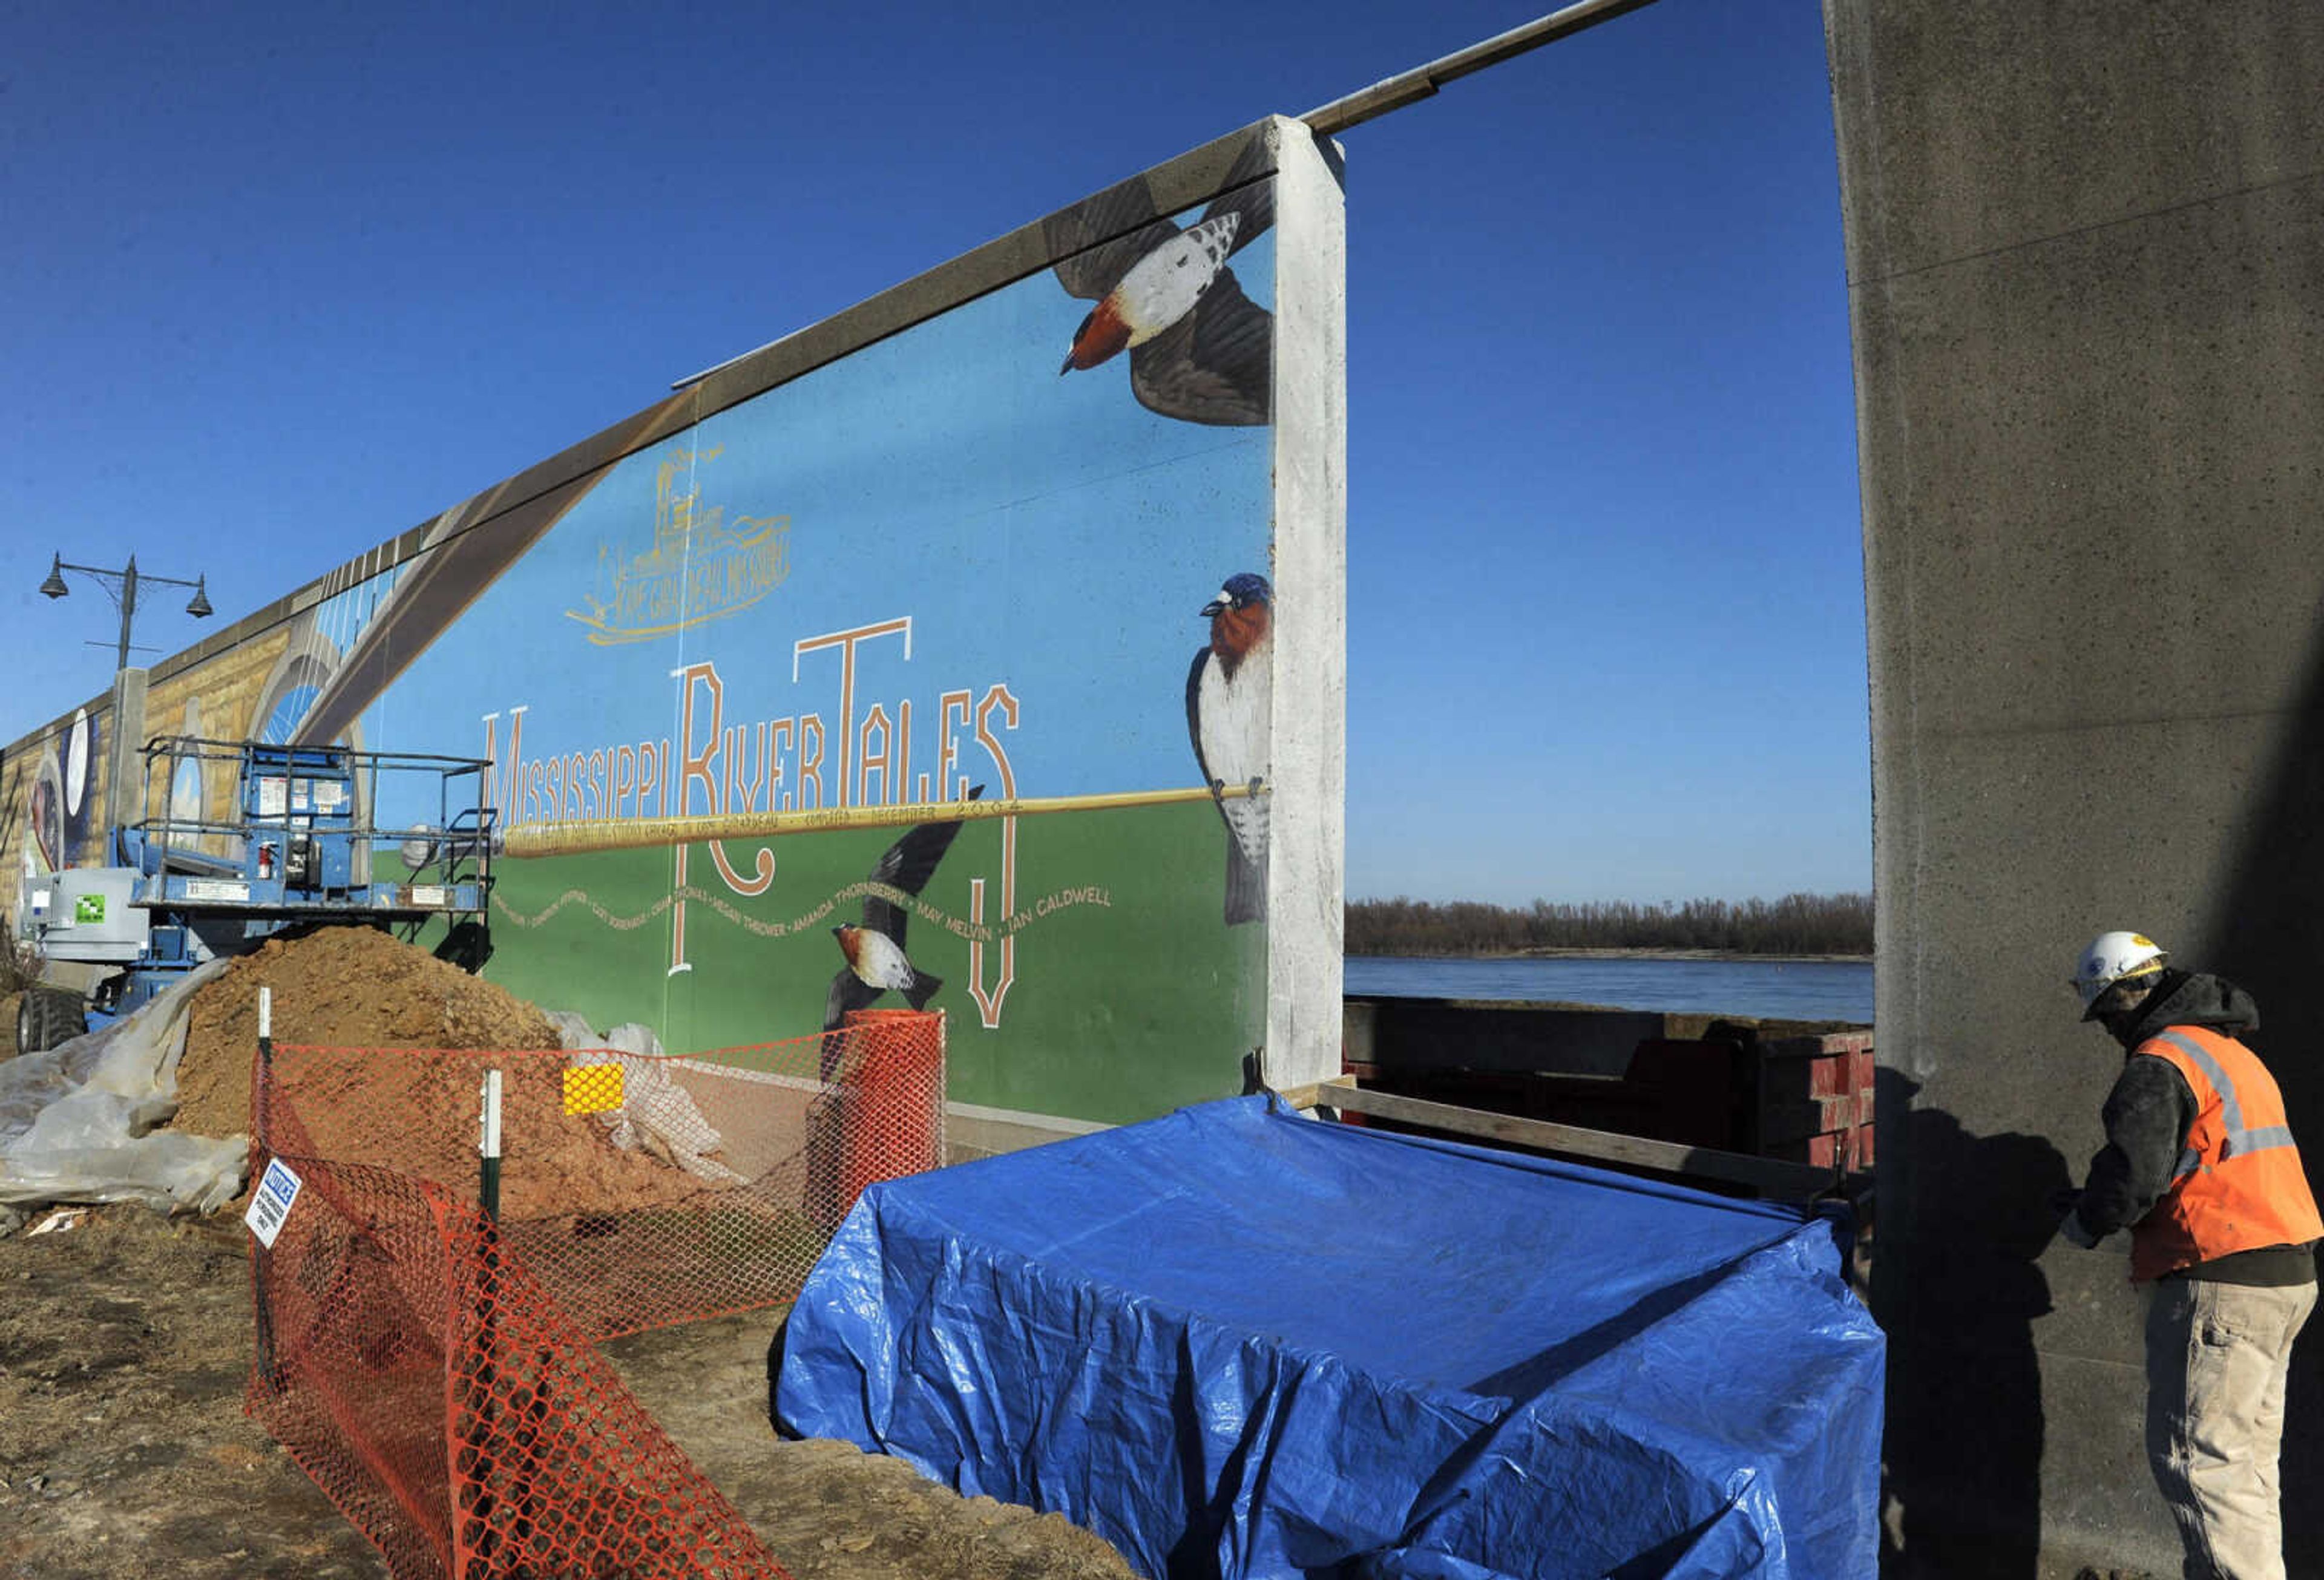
pixel 419 1117
pixel 341 988
pixel 350 994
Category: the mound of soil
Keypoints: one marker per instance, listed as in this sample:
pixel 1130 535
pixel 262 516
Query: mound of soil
pixel 356 997
pixel 339 988
pixel 418 1115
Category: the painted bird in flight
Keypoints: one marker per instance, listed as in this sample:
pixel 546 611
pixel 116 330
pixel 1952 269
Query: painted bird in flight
pixel 874 948
pixel 1227 708
pixel 1199 349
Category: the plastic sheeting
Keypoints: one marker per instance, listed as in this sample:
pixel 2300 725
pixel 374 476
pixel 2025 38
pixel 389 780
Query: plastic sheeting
pixel 657 1115
pixel 1238 1342
pixel 76 1123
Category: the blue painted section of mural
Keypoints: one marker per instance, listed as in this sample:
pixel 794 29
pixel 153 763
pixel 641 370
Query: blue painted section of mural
pixel 326 634
pixel 985 520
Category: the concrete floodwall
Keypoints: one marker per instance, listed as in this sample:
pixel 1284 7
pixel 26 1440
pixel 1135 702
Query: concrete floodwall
pixel 850 578
pixel 2085 265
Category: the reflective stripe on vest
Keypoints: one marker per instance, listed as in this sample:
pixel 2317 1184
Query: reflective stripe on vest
pixel 2236 1142
pixel 2239 1185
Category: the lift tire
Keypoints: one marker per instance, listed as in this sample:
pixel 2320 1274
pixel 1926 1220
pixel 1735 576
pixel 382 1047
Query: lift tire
pixel 46 1019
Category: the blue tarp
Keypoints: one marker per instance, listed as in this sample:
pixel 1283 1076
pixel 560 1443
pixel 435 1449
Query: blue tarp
pixel 1238 1342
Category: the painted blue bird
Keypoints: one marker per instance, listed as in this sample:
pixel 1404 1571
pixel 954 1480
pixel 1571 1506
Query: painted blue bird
pixel 1228 704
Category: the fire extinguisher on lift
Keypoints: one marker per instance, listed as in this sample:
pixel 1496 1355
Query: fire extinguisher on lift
pixel 266 859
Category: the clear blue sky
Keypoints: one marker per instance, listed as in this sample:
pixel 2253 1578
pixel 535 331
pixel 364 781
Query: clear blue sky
pixel 280 283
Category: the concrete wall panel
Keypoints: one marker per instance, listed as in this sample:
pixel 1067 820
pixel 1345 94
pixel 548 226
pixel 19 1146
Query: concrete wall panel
pixel 2132 390
pixel 2085 243
pixel 2001 122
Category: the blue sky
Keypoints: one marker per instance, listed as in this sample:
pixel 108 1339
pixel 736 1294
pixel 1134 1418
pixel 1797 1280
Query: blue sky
pixel 280 284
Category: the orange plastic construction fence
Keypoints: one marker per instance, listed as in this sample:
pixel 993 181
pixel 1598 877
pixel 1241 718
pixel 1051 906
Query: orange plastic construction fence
pixel 443 1401
pixel 433 1369
pixel 641 1191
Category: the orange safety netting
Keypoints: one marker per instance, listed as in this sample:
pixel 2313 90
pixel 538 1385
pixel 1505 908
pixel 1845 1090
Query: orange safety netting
pixel 641 1191
pixel 433 1369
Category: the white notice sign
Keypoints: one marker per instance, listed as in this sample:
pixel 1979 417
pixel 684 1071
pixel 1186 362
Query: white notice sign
pixel 216 888
pixel 270 1204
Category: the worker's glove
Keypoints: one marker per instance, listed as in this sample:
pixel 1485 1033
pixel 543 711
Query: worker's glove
pixel 2069 1228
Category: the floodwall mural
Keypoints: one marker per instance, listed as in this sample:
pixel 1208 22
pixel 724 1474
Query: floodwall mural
pixel 934 572
pixel 51 794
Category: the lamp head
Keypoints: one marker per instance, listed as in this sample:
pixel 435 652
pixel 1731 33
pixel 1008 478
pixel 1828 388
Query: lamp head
pixel 54 587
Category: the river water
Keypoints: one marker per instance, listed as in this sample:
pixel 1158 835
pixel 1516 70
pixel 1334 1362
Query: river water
pixel 1839 990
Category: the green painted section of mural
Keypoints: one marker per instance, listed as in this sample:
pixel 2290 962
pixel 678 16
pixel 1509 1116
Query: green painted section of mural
pixel 1128 899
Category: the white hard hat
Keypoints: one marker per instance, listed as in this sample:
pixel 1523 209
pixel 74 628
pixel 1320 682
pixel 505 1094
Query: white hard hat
pixel 2112 957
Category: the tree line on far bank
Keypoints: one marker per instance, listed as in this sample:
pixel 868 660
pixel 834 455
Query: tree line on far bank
pixel 1796 924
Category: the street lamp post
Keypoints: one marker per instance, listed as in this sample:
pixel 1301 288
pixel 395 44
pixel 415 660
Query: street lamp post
pixel 121 585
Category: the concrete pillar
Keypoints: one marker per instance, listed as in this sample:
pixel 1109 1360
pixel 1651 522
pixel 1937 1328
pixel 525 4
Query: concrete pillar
pixel 2085 265
pixel 124 783
pixel 1306 838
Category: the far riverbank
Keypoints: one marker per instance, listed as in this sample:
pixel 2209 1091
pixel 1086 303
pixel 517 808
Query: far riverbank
pixel 1763 987
pixel 1632 955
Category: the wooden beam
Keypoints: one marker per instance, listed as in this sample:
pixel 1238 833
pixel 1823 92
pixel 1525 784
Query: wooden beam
pixel 573 838
pixel 1422 81
pixel 1770 1176
pixel 1305 1097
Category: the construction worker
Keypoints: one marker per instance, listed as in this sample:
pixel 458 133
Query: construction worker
pixel 2200 1167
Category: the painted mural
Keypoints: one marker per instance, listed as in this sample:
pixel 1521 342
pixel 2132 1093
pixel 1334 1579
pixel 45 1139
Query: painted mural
pixel 935 570
pixel 52 795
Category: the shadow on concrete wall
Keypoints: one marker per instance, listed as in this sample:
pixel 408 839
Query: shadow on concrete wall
pixel 2270 939
pixel 1980 1220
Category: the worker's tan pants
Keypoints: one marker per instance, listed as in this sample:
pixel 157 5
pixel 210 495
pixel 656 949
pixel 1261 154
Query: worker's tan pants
pixel 2217 1354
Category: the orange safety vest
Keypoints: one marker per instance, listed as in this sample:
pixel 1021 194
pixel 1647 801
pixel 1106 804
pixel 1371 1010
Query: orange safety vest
pixel 2238 1185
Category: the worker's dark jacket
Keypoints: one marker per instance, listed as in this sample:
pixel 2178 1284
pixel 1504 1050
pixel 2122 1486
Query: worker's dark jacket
pixel 2148 1116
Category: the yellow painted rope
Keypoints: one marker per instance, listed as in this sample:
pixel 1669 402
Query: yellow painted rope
pixel 571 839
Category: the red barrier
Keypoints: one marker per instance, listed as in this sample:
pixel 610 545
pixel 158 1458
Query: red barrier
pixel 896 1083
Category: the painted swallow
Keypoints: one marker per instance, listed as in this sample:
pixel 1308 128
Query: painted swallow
pixel 1228 705
pixel 1160 288
pixel 875 949
pixel 1199 349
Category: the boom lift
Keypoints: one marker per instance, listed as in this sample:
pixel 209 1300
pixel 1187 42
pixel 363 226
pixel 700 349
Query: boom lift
pixel 319 835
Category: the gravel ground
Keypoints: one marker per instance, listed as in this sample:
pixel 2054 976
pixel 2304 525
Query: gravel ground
pixel 125 1452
